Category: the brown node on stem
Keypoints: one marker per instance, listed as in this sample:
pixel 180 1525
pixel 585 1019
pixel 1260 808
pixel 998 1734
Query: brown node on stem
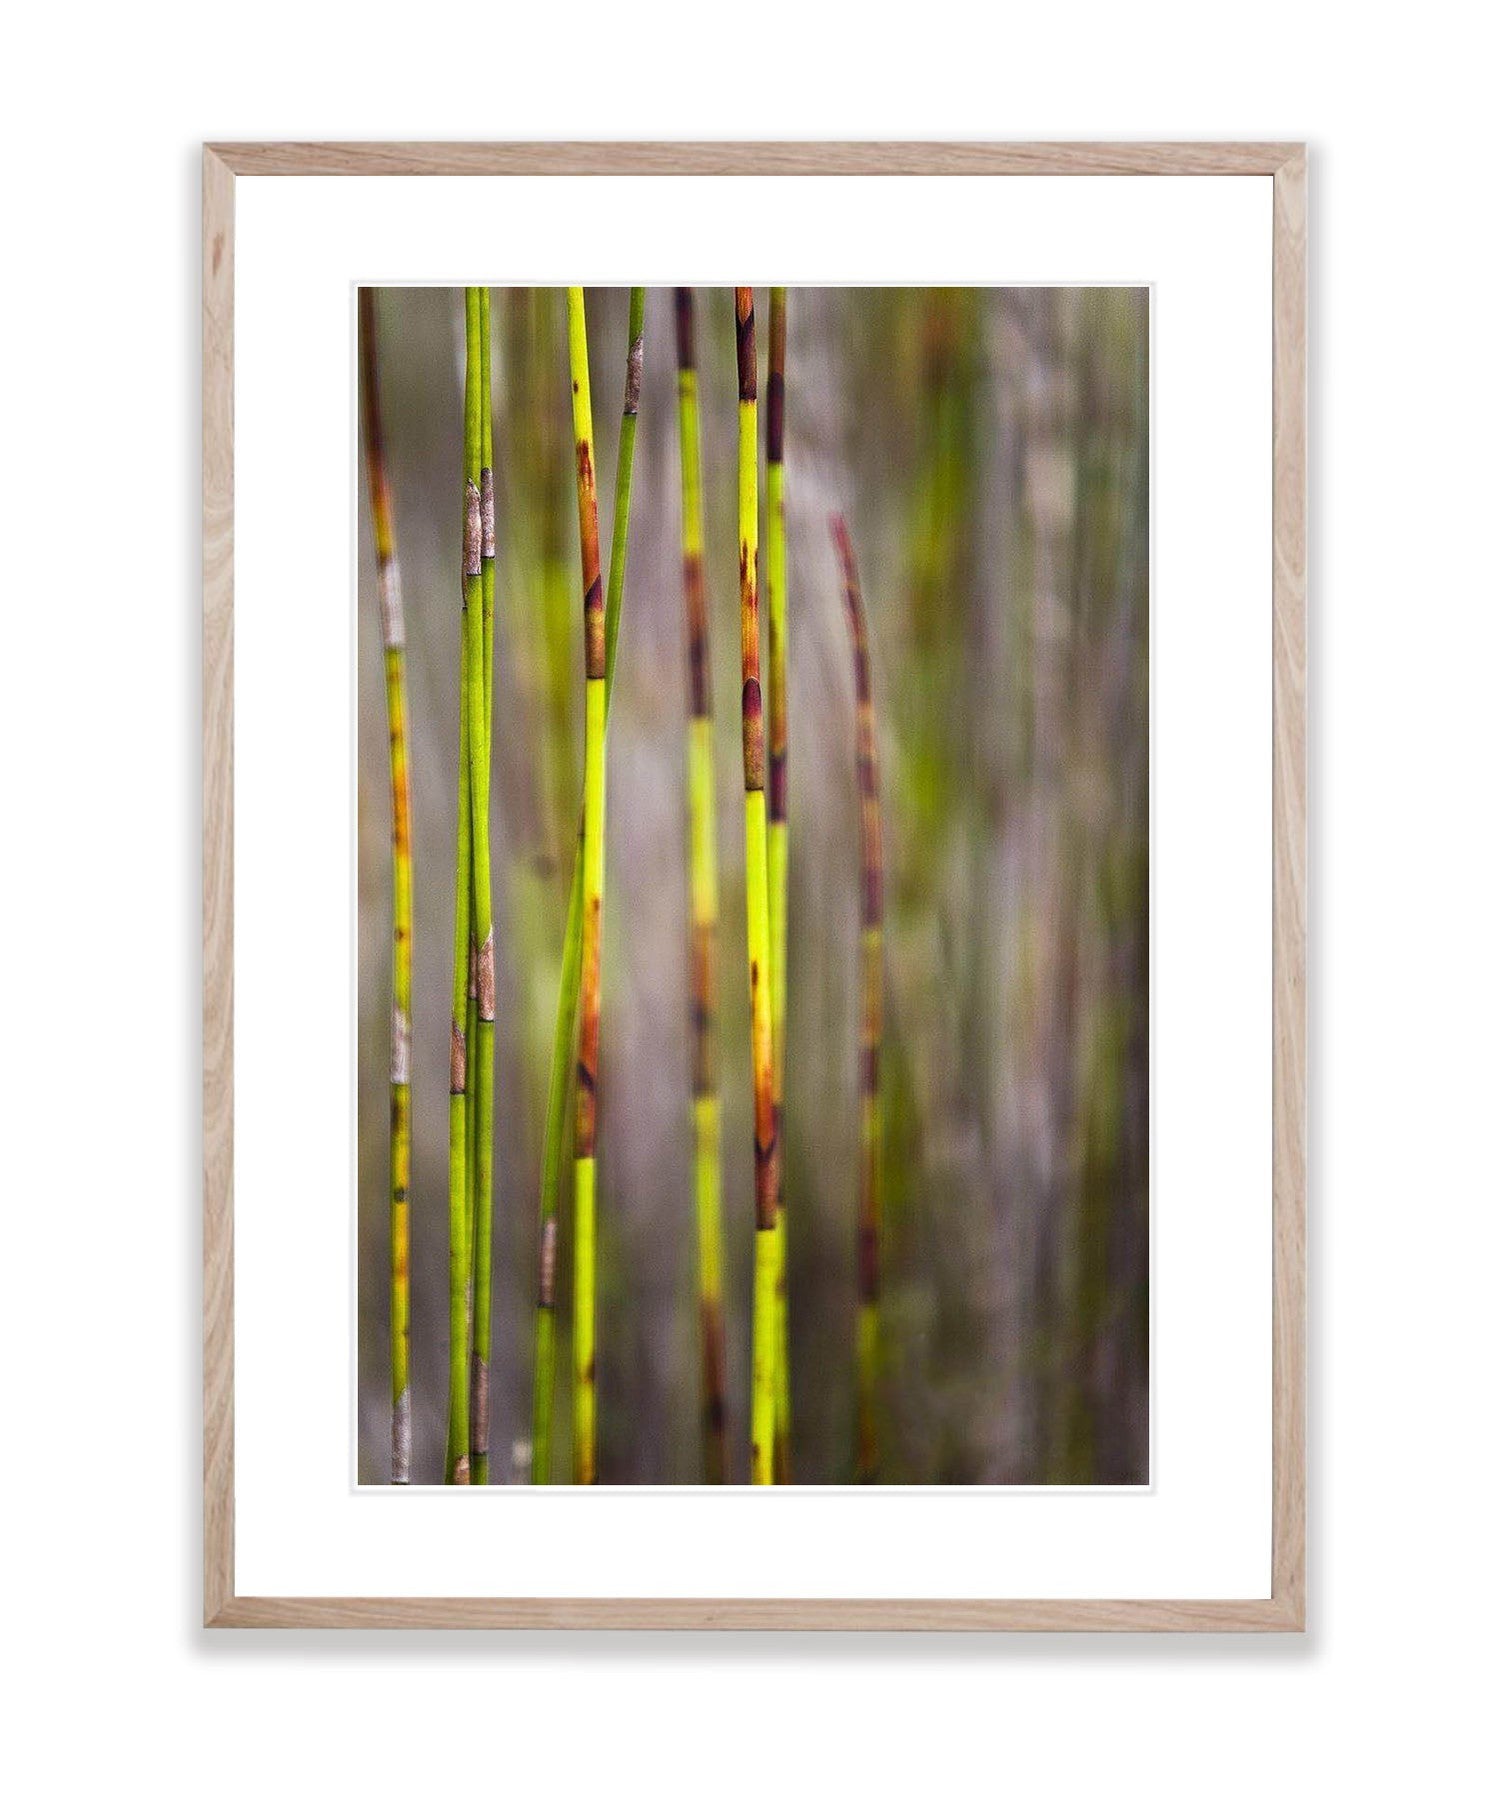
pixel 699 696
pixel 633 365
pixel 685 357
pixel 586 1133
pixel 486 978
pixel 457 1061
pixel 594 643
pixel 547 1288
pixel 473 535
pixel 486 511
pixel 715 1412
pixel 776 800
pixel 400 819
pixel 775 398
pixel 767 1147
pixel 703 997
pixel 744 337
pixel 754 737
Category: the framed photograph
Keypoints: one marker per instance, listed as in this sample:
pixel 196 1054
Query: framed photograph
pixel 754 885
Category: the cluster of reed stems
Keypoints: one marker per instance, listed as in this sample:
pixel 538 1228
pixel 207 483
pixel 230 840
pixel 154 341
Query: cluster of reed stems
pixel 471 1061
pixel 575 1064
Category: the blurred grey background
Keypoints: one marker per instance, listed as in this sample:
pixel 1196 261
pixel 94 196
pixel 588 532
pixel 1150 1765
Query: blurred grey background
pixel 989 448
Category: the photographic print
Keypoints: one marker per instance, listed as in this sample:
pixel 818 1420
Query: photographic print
pixel 753 879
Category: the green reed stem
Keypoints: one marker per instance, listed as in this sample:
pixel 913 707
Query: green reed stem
pixel 460 1267
pixel 757 910
pixel 778 833
pixel 481 715
pixel 565 1036
pixel 585 1116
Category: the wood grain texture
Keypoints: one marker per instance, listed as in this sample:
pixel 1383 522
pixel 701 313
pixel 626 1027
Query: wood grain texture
pixel 1288 832
pixel 1245 1616
pixel 1285 1609
pixel 218 885
pixel 754 159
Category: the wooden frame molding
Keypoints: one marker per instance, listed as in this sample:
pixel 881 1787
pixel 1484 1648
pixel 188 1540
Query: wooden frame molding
pixel 1285 1609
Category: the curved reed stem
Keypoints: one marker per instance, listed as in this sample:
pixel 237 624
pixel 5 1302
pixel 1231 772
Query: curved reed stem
pixel 871 950
pixel 481 716
pixel 778 833
pixel 393 638
pixel 703 893
pixel 757 910
pixel 565 1036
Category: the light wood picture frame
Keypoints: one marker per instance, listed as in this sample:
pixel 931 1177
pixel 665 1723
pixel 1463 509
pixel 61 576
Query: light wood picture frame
pixel 1285 163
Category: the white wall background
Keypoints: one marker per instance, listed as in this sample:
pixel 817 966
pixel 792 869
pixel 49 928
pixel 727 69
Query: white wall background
pixel 112 1679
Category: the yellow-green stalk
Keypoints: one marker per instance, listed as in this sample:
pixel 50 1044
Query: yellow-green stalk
pixel 565 1036
pixel 460 1264
pixel 757 911
pixel 871 956
pixel 778 847
pixel 481 1101
pixel 703 893
pixel 393 638
pixel 471 1112
pixel 585 1116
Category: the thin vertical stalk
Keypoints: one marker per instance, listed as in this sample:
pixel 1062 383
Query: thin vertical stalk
pixel 471 1113
pixel 481 715
pixel 590 972
pixel 471 1039
pixel 619 541
pixel 565 1036
pixel 703 895
pixel 757 910
pixel 778 834
pixel 871 952
pixel 486 505
pixel 393 637
pixel 460 1269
